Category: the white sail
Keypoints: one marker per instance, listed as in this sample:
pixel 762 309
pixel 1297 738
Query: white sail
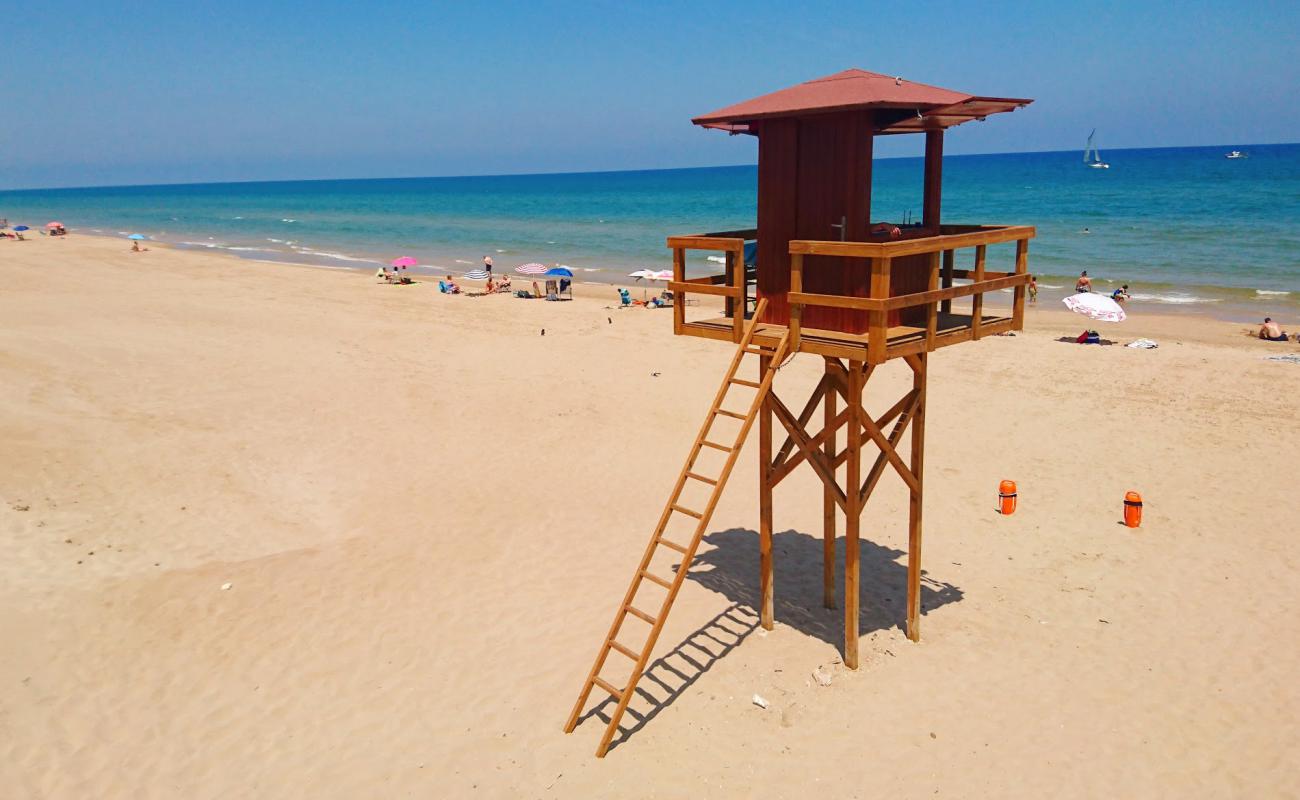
pixel 1087 149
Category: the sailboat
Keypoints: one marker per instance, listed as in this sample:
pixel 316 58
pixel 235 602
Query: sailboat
pixel 1091 155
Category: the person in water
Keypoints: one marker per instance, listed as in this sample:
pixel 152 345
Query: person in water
pixel 1084 284
pixel 1120 295
pixel 1270 331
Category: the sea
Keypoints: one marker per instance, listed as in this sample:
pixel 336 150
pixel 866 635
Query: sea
pixel 1185 228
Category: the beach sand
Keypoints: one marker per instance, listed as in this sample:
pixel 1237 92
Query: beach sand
pixel 427 512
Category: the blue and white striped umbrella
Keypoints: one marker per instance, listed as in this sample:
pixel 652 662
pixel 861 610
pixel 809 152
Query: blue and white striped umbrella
pixel 477 275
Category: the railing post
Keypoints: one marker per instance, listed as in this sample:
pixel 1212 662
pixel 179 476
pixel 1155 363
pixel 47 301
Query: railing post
pixel 878 321
pixel 679 302
pixel 932 308
pixel 796 309
pixel 1022 266
pixel 948 258
pixel 736 304
pixel 977 301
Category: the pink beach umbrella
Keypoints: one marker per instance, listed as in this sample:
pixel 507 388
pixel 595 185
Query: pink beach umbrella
pixel 53 225
pixel 531 269
pixel 404 261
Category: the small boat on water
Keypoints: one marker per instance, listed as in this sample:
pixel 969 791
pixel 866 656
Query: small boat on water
pixel 1237 154
pixel 1091 155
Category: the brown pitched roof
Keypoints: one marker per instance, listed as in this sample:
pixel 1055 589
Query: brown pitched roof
pixel 915 106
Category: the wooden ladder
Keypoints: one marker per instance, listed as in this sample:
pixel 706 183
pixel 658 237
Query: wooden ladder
pixel 687 550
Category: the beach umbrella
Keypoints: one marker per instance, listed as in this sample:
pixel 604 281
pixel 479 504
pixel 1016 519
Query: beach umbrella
pixel 1095 306
pixel 22 228
pixel 477 275
pixel 137 237
pixel 559 272
pixel 53 225
pixel 531 269
pixel 403 261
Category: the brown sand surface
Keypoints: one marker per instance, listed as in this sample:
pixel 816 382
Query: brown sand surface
pixel 427 513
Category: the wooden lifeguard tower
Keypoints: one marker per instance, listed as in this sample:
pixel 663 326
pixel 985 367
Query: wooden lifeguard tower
pixel 825 280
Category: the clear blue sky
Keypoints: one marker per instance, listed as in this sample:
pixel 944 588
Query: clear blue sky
pixel 99 92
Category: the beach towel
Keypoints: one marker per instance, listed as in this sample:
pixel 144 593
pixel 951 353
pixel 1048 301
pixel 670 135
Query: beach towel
pixel 1143 344
pixel 1294 358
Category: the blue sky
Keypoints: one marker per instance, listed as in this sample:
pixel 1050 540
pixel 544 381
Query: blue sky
pixel 142 92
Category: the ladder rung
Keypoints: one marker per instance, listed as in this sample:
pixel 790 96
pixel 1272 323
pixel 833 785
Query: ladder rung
pixel 750 384
pixel 656 579
pixel 627 651
pixel 715 445
pixel 607 686
pixel 688 512
pixel 636 612
pixel 701 479
pixel 758 351
pixel 724 412
pixel 672 544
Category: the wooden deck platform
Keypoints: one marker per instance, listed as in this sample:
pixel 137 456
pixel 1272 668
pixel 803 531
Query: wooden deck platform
pixel 902 340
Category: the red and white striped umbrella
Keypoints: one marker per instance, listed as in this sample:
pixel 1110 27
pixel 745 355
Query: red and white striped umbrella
pixel 531 269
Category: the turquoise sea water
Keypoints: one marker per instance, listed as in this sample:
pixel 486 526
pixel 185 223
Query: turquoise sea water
pixel 1185 227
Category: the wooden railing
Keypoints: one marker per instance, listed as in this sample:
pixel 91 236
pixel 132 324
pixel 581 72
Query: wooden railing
pixel 730 284
pixel 939 292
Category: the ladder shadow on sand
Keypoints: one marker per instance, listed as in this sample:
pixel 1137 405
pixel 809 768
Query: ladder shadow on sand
pixel 670 675
pixel 730 568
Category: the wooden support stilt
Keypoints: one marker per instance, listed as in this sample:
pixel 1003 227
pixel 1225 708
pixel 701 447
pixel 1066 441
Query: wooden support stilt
pixel 919 364
pixel 765 567
pixel 828 500
pixel 853 515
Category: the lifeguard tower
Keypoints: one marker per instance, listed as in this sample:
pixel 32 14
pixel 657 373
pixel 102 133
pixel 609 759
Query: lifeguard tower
pixel 823 280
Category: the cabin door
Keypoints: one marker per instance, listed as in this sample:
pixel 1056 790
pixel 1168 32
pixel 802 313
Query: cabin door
pixel 834 204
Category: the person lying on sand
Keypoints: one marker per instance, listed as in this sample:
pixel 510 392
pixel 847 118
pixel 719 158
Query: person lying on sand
pixel 1270 331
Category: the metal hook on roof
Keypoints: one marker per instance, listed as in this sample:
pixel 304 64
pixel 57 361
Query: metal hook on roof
pixel 898 80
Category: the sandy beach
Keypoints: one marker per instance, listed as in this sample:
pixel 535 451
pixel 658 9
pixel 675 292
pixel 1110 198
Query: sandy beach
pixel 426 512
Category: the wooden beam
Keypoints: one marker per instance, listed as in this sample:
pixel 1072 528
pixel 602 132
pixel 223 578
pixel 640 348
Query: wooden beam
pixel 877 323
pixel 977 302
pixel 853 518
pixel 809 451
pixel 933 182
pixel 765 572
pixel 702 288
pixel 878 468
pixel 805 415
pixel 986 234
pixel 779 473
pixel 1022 268
pixel 948 259
pixel 828 498
pixel 706 242
pixel 932 309
pixel 679 303
pixel 793 296
pixel 834 300
pixel 875 434
pixel 917 497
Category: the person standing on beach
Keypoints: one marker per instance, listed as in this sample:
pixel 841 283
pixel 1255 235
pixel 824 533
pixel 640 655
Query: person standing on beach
pixel 1084 284
pixel 487 265
pixel 1033 289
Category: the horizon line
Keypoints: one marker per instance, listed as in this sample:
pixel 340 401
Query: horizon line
pixel 587 172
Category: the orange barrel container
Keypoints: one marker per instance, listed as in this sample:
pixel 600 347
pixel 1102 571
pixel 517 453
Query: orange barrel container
pixel 1132 509
pixel 1007 497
